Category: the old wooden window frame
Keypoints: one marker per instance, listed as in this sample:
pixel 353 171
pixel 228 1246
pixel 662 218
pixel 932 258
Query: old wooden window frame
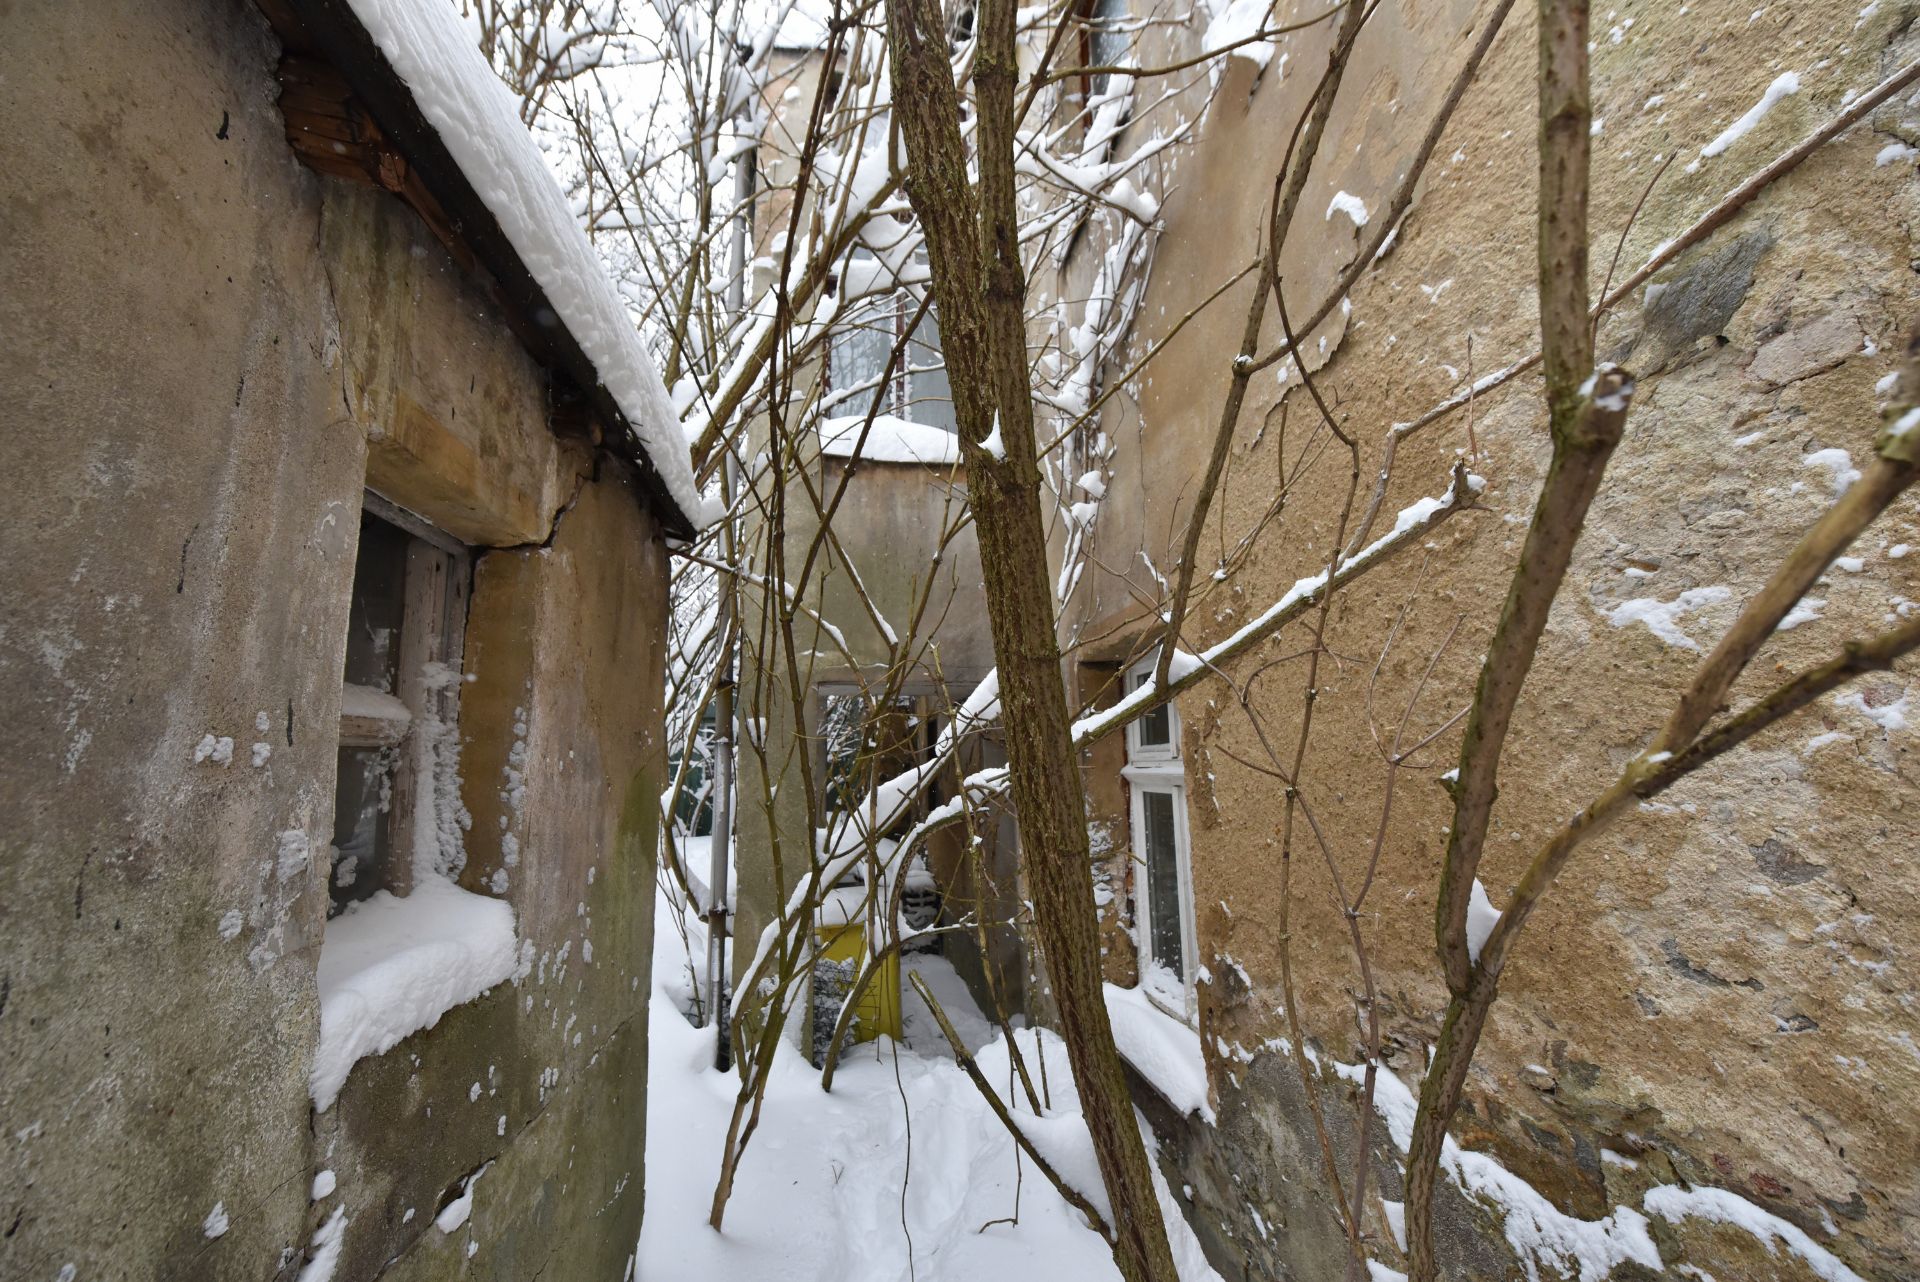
pixel 436 587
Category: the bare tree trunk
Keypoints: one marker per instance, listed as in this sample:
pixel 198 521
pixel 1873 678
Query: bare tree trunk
pixel 1586 411
pixel 979 288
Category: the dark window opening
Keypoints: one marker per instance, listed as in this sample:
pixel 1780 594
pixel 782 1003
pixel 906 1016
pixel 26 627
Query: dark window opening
pixel 1155 729
pixel 865 741
pixel 406 621
pixel 1108 40
pixel 1163 881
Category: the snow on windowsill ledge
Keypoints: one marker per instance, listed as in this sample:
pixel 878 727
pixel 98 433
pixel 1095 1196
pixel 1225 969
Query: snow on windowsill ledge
pixel 390 967
pixel 891 440
pixel 1171 771
pixel 1163 1050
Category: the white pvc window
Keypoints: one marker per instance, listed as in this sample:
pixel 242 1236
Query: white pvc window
pixel 1163 870
pixel 1156 736
pixel 858 352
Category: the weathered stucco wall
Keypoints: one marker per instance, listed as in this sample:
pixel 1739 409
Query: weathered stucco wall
pixel 1718 990
pixel 566 658
pixel 446 398
pixel 179 455
pixel 210 352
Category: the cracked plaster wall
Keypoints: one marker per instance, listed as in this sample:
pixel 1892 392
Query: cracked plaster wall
pixel 211 351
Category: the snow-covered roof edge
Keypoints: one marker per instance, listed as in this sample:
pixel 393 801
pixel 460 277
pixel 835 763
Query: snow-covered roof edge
pixel 430 53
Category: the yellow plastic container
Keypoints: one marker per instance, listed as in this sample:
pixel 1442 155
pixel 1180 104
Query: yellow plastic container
pixel 878 1010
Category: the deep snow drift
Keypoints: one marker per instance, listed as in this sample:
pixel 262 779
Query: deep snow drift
pixel 819 1193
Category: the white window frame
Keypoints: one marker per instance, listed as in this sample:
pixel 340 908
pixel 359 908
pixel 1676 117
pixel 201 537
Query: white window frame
pixel 1138 752
pixel 888 315
pixel 1157 768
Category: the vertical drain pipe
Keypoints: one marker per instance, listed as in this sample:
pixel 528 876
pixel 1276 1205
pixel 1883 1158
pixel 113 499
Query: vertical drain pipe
pixel 724 737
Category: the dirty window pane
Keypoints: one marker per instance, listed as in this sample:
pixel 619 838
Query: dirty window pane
pixel 931 399
pixel 1108 41
pixel 858 357
pixel 363 785
pixel 363 792
pixel 379 600
pixel 1163 881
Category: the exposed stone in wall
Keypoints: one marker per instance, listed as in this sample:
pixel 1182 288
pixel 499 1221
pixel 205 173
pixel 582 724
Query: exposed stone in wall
pixel 1254 1190
pixel 1695 303
pixel 1716 990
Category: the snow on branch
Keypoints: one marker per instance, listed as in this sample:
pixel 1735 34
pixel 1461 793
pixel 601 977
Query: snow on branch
pixel 1409 527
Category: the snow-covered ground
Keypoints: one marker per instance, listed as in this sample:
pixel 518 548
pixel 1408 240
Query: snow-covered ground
pixel 819 1193
pixel 922 1033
